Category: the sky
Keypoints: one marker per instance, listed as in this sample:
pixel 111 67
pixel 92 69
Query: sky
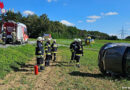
pixel 108 16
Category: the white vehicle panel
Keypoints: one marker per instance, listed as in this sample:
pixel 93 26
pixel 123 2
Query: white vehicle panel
pixel 19 33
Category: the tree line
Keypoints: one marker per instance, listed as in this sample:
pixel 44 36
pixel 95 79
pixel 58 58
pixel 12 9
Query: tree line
pixel 38 25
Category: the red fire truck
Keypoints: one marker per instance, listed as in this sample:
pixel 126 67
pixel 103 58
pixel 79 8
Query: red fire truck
pixel 21 31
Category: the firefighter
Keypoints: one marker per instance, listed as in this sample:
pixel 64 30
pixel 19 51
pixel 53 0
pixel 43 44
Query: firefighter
pixel 54 47
pixel 48 52
pixel 40 53
pixel 4 36
pixel 72 46
pixel 78 52
pixel 13 36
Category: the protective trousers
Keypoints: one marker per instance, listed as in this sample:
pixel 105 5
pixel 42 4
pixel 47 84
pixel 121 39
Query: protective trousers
pixel 48 58
pixel 77 58
pixel 73 56
pixel 54 57
pixel 40 63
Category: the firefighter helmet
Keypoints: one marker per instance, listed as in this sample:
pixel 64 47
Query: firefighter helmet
pixel 75 39
pixel 79 40
pixel 39 39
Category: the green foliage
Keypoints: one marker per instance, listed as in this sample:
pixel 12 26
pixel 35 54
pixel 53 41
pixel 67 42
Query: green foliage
pixel 14 57
pixel 113 38
pixel 38 25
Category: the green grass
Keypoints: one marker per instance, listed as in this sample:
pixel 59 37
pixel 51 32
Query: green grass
pixel 88 76
pixel 66 76
pixel 64 41
pixel 12 58
pixel 97 45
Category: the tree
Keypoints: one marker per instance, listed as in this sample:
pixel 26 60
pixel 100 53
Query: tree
pixel 112 38
pixel 127 38
pixel 38 25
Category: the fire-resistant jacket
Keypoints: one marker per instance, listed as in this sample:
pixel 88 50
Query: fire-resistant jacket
pixel 54 47
pixel 48 48
pixel 78 49
pixel 72 46
pixel 39 49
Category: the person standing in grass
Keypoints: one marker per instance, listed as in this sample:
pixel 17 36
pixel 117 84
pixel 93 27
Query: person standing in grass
pixel 54 47
pixel 72 46
pixel 78 52
pixel 4 36
pixel 48 52
pixel 40 53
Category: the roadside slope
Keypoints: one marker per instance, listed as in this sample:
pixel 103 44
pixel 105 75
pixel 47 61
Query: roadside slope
pixel 64 75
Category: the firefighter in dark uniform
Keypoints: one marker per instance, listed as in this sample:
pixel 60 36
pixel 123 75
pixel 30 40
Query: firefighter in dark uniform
pixel 72 46
pixel 78 52
pixel 4 36
pixel 48 52
pixel 54 47
pixel 40 53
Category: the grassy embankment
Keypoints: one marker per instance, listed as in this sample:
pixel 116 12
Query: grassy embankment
pixel 67 76
pixel 12 58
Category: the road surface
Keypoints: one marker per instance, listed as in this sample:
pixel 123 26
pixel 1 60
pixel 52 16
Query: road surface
pixel 10 45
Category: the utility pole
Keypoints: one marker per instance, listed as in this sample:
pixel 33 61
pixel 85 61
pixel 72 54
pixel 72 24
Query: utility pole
pixel 122 33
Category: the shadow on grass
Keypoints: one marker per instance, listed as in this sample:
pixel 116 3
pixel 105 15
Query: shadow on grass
pixel 77 73
pixel 28 66
pixel 109 77
pixel 24 67
pixel 62 64
pixel 16 69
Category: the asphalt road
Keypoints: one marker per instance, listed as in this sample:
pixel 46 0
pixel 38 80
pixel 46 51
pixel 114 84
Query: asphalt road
pixel 10 45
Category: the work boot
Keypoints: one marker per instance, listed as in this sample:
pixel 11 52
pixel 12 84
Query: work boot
pixel 45 63
pixel 41 67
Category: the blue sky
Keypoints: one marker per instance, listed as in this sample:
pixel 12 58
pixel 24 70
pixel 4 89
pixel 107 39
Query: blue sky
pixel 103 15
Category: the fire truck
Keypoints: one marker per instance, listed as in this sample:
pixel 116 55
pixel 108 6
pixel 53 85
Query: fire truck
pixel 21 31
